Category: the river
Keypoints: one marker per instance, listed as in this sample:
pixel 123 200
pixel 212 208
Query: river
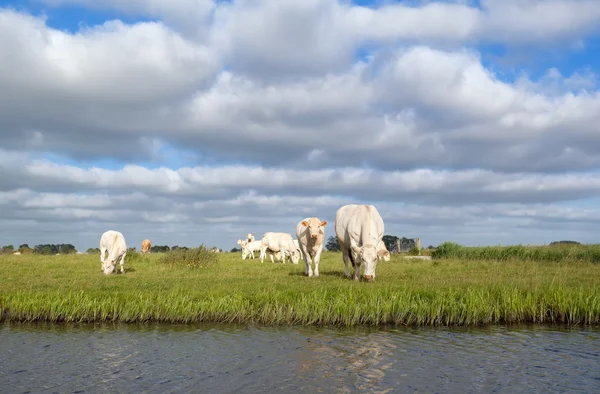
pixel 49 358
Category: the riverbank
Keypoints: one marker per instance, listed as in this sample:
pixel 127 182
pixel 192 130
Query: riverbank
pixel 407 292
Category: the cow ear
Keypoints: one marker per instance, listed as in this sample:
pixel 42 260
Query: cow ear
pixel 324 223
pixel 382 252
pixel 305 223
pixel 356 249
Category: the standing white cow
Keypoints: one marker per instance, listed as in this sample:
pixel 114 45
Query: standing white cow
pixel 279 242
pixel 359 229
pixel 249 248
pixel 112 242
pixel 311 234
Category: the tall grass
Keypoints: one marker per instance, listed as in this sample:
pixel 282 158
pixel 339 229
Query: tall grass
pixel 406 292
pixel 192 258
pixel 552 253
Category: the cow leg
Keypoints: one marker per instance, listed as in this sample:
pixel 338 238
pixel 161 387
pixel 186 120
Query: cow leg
pixel 307 268
pixel 271 256
pixel 121 262
pixel 102 258
pixel 308 263
pixel 282 255
pixel 355 265
pixel 263 252
pixel 345 257
pixel 316 259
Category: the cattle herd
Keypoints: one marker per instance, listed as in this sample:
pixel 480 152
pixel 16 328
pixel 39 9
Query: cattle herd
pixel 358 229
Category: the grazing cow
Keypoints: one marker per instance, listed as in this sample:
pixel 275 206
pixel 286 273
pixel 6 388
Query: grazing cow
pixel 112 242
pixel 277 255
pixel 249 248
pixel 311 233
pixel 17 253
pixel 359 229
pixel 382 252
pixel 146 245
pixel 279 242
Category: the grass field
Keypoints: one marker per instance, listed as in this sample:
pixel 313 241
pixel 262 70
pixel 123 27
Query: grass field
pixel 444 291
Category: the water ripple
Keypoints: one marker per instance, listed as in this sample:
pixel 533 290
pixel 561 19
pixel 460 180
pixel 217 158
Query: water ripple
pixel 226 359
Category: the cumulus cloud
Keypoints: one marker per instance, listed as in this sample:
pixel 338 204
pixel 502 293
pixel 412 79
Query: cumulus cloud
pixel 219 118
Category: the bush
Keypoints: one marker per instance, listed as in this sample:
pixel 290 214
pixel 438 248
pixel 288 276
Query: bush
pixel 133 256
pixel 446 250
pixel 414 251
pixel 452 250
pixel 192 258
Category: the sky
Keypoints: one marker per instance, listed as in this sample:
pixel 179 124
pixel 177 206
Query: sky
pixel 198 121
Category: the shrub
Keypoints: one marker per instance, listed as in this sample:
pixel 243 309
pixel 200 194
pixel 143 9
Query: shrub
pixel 414 251
pixel 452 250
pixel 446 250
pixel 192 258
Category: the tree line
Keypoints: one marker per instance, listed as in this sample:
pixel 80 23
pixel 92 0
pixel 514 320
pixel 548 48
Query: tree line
pixel 40 249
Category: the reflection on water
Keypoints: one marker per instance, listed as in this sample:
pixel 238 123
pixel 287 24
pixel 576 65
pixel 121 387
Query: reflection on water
pixel 227 359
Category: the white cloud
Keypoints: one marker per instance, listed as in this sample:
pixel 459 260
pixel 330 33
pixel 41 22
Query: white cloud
pixel 283 121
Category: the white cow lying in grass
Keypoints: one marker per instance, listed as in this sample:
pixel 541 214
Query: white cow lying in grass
pixel 311 233
pixel 279 242
pixel 112 242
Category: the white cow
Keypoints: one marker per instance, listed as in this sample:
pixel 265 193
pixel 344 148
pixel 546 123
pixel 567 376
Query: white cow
pixel 278 256
pixel 311 233
pixel 382 252
pixel 279 242
pixel 249 238
pixel 359 229
pixel 112 242
pixel 249 248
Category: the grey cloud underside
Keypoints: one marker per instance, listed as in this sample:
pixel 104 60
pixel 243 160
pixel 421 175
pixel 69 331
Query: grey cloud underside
pixel 439 143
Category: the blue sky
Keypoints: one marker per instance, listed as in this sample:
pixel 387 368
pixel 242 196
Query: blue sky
pixel 199 122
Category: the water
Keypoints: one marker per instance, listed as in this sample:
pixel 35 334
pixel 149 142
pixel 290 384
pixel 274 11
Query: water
pixel 233 359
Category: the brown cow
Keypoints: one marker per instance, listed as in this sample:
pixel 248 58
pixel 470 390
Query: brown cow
pixel 146 245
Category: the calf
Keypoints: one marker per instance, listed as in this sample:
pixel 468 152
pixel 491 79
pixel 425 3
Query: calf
pixel 311 234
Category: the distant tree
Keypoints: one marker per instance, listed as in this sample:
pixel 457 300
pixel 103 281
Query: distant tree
pixel 45 249
pixel 66 249
pixel 557 243
pixel 93 251
pixel 25 249
pixel 235 250
pixel 8 249
pixel 390 242
pixel 332 244
pixel 160 249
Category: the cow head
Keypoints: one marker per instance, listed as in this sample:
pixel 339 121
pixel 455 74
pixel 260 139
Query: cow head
pixel 315 227
pixel 368 256
pixel 249 237
pixel 294 255
pixel 245 253
pixel 110 264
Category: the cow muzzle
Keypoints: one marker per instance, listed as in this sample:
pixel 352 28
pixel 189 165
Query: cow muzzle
pixel 314 236
pixel 369 278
